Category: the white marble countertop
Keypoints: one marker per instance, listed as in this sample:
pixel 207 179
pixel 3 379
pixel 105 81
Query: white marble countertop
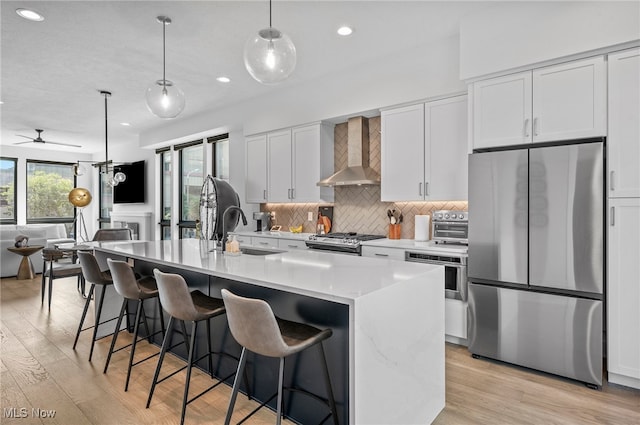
pixel 334 277
pixel 410 244
pixel 274 234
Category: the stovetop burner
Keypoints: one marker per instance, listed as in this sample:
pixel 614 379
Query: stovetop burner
pixel 349 235
pixel 341 242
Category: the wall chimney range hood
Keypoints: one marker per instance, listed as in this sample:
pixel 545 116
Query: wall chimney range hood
pixel 358 171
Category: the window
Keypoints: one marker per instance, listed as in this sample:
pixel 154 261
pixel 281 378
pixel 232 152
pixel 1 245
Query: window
pixel 8 182
pixel 191 178
pixel 165 193
pixel 48 187
pixel 106 201
pixel 220 156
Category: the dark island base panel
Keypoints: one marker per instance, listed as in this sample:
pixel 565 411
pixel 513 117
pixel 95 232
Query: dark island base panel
pixel 302 370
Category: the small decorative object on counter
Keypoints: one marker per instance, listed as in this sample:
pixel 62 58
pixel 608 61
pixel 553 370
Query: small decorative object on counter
pixel 395 228
pixel 394 231
pixel 295 229
pixel 233 246
pixel 21 241
pixel 422 226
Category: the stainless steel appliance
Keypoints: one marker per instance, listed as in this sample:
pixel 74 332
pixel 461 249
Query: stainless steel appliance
pixel 455 268
pixel 450 226
pixel 536 257
pixel 263 221
pixel 349 243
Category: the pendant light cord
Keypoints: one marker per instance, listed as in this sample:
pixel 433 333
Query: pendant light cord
pixel 164 30
pixel 270 26
pixel 106 136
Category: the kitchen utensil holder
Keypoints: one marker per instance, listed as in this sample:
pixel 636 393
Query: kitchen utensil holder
pixel 394 231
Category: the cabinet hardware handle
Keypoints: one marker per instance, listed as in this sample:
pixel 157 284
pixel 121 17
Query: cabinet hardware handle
pixel 381 255
pixel 292 246
pixel 535 126
pixel 426 189
pixel 525 129
pixel 293 193
pixel 613 216
pixel 288 193
pixel 264 194
pixel 420 189
pixel 611 180
pixel 263 243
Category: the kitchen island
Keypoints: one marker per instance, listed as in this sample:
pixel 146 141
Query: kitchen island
pixel 386 355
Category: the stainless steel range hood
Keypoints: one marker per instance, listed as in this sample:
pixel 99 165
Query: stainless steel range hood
pixel 358 171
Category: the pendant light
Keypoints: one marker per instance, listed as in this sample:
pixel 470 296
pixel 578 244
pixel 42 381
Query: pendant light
pixel 119 177
pixel 164 99
pixel 270 56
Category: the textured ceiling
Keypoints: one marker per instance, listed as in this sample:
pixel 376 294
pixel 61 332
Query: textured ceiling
pixel 51 71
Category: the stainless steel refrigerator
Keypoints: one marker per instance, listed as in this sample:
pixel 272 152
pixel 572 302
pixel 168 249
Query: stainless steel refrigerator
pixel 536 257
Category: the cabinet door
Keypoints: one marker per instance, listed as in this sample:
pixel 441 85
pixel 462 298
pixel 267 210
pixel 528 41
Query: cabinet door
pixel 623 292
pixel 624 124
pixel 501 109
pixel 264 242
pixel 446 161
pixel 279 154
pixel 569 100
pixel 402 161
pixel 256 175
pixel 306 163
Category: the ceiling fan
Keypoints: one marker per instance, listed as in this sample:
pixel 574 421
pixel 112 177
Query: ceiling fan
pixel 40 140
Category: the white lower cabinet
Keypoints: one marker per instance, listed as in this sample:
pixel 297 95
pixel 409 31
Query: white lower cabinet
pixel 381 252
pixel 264 242
pixel 291 244
pixel 623 292
pixel 455 318
pixel 244 240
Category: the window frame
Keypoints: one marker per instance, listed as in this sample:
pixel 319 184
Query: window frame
pixel 185 225
pixel 103 222
pixel 222 138
pixel 165 225
pixel 13 220
pixel 67 220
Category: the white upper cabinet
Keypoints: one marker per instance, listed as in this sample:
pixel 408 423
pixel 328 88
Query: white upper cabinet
pixel 560 102
pixel 279 166
pixel 446 160
pixel 501 111
pixel 284 166
pixel 402 156
pixel 624 124
pixel 569 100
pixel 424 151
pixel 256 175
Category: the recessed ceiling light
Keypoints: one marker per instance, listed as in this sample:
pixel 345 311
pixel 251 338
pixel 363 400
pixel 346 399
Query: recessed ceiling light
pixel 29 14
pixel 223 79
pixel 126 124
pixel 345 30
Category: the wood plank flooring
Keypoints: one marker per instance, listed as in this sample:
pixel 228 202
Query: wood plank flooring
pixel 40 370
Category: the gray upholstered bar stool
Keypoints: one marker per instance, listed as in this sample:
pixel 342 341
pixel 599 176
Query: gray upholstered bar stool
pixel 136 289
pixel 192 307
pixel 257 329
pixel 95 276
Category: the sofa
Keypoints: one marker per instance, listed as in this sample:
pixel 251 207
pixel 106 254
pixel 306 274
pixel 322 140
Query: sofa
pixel 46 235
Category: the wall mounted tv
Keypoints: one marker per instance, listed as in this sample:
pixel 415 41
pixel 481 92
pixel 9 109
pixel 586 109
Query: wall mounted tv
pixel 132 190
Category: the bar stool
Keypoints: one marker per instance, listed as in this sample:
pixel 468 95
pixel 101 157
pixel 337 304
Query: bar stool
pixel 93 274
pixel 257 329
pixel 194 307
pixel 132 289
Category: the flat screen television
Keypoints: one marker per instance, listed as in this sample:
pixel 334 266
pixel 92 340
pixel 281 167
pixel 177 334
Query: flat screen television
pixel 132 190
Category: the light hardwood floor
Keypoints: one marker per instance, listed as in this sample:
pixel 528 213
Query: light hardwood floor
pixel 39 369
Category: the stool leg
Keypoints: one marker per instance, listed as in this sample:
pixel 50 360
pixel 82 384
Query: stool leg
pixel 165 345
pixel 50 285
pixel 161 313
pixel 280 384
pixel 115 335
pixel 84 314
pixel 146 325
pixel 327 382
pixel 136 328
pixel 192 348
pixel 42 283
pixel 236 385
pixel 95 328
pixel 209 346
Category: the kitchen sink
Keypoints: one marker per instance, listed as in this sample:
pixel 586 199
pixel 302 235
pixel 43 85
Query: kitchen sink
pixel 259 251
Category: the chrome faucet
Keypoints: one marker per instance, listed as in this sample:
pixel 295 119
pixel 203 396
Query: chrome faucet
pixel 224 228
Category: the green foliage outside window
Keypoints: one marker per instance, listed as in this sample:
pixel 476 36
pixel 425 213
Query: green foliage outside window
pixel 48 196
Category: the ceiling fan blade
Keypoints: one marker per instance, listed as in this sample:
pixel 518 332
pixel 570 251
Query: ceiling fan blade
pixel 22 143
pixel 26 137
pixel 61 144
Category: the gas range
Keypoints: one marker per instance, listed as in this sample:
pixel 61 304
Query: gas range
pixel 349 242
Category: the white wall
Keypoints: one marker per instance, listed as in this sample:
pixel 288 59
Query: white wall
pixel 510 35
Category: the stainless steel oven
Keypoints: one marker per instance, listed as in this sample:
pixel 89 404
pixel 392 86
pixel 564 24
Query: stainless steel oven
pixel 455 270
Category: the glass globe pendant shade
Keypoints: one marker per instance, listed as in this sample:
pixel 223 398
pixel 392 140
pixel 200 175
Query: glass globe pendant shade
pixel 270 56
pixel 119 177
pixel 164 99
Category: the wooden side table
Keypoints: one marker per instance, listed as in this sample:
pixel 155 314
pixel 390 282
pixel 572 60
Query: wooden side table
pixel 25 271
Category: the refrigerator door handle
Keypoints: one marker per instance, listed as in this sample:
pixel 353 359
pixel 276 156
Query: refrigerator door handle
pixel 535 126
pixel 525 128
pixel 611 174
pixel 613 216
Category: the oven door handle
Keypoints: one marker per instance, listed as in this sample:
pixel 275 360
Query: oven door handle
pixel 437 263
